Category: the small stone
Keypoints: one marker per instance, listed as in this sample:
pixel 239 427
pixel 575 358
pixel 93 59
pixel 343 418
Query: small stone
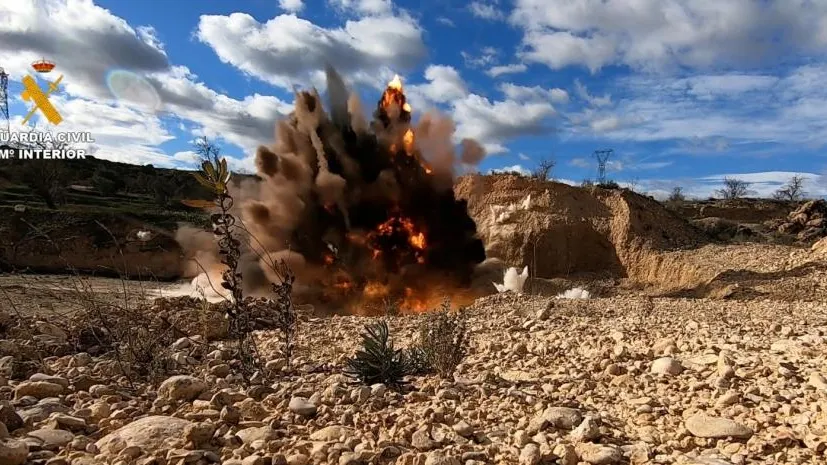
pixel 50 379
pixel 818 381
pixel 566 454
pixel 298 459
pixel 249 435
pixel 230 415
pixel 332 433
pixel 100 390
pixel 530 454
pixel 275 366
pixel 588 430
pixel 463 429
pixel 558 417
pixel 421 439
pixel 302 406
pixel 378 390
pixel 199 434
pixel 181 388
pixel 253 460
pixel 667 366
pixel 705 426
pixel 728 398
pixel 9 416
pixel 598 454
pixel 64 421
pixel 221 370
pixel 440 458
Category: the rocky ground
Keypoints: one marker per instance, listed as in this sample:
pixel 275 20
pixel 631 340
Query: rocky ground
pixel 601 381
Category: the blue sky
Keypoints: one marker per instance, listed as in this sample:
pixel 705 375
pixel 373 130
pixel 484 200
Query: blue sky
pixel 685 92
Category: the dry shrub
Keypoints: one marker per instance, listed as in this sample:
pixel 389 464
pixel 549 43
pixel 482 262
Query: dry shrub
pixel 443 340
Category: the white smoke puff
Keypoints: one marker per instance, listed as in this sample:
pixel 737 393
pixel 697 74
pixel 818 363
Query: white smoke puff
pixel 574 293
pixel 209 288
pixel 512 280
pixel 526 203
pixel 144 235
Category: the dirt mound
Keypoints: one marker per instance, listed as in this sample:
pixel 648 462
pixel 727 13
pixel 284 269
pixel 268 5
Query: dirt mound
pixel 723 229
pixel 808 222
pixel 563 230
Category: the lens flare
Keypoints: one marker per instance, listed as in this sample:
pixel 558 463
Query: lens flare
pixel 130 87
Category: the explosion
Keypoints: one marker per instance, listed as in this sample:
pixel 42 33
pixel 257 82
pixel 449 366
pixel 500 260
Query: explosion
pixel 364 213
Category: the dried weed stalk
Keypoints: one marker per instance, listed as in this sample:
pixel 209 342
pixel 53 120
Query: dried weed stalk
pixel 443 340
pixel 241 312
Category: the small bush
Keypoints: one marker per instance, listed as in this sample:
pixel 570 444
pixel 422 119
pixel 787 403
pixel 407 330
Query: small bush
pixel 793 191
pixel 676 196
pixel 443 339
pixel 378 361
pixel 543 169
pixel 733 189
pixel 609 185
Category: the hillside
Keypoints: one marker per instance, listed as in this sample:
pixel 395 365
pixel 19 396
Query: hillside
pixel 83 214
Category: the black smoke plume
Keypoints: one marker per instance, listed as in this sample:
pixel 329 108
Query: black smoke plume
pixel 362 210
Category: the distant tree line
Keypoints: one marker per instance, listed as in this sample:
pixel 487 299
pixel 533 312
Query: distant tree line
pixel 735 188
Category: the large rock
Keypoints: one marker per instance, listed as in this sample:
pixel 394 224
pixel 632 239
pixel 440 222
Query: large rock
pixel 181 388
pixel 807 222
pixel 38 389
pixel 9 417
pixel 148 433
pixel 52 439
pixel 705 426
pixel 13 452
pixel 42 410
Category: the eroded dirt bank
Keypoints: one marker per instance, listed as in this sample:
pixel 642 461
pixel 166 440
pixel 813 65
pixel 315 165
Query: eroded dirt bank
pixel 565 231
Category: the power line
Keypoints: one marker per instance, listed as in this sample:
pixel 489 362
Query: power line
pixel 4 96
pixel 602 157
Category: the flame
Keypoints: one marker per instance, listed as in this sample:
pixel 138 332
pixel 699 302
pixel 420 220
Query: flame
pixel 418 241
pixel 394 94
pixel 375 289
pixel 328 259
pixel 397 224
pixel 408 141
pixel 358 239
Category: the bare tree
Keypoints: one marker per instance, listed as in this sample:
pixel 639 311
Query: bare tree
pixel 677 195
pixel 207 150
pixel 733 188
pixel 793 191
pixel 47 180
pixel 543 169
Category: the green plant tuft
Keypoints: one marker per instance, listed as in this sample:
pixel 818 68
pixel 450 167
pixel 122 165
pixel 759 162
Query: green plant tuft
pixel 378 361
